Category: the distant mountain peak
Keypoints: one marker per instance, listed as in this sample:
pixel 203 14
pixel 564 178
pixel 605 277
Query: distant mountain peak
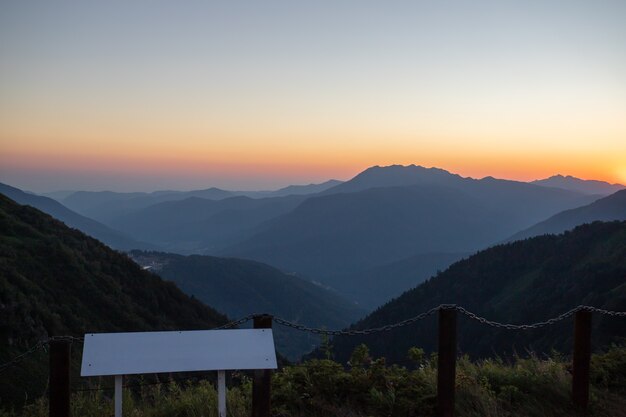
pixel 569 182
pixel 396 175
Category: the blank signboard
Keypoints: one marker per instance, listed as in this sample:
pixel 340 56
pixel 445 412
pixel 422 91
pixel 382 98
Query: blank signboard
pixel 155 352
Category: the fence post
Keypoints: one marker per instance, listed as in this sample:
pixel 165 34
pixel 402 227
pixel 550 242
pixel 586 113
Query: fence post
pixel 59 403
pixel 262 382
pixel 581 359
pixel 446 358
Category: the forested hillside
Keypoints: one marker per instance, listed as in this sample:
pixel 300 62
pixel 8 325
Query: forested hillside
pixel 239 287
pixel 57 281
pixel 523 282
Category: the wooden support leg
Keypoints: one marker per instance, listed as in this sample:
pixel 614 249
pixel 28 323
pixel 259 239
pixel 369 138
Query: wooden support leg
pixel 221 393
pixel 118 395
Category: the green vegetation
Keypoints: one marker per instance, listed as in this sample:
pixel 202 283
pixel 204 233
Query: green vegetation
pixel 524 387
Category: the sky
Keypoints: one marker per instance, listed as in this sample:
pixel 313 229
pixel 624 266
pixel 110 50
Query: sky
pixel 146 95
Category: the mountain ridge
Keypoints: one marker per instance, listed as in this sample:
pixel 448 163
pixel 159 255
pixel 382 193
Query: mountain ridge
pixel 571 183
pixel 612 207
pixel 104 233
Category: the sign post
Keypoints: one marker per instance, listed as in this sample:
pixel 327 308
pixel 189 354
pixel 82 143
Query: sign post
pixel 119 354
pixel 221 393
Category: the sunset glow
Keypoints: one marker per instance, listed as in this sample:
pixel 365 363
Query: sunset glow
pixel 162 96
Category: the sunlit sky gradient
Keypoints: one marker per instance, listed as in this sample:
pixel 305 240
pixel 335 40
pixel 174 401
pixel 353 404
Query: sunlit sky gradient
pixel 144 95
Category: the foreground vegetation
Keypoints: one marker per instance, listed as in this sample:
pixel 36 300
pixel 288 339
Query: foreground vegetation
pixel 368 387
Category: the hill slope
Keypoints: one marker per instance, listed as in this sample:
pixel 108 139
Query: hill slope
pixel 375 286
pixel 239 287
pixel 56 281
pixel 113 238
pixel 608 208
pixel 522 282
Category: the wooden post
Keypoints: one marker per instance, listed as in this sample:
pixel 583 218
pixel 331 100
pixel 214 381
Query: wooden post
pixel 262 382
pixel 60 352
pixel 446 369
pixel 581 359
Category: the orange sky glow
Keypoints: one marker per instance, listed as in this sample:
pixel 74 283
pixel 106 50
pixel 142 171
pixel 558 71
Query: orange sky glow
pixel 147 96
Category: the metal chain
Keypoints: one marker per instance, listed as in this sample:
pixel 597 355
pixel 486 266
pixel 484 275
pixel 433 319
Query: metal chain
pixel 516 326
pixel 541 323
pixel 19 358
pixel 237 322
pixel 461 310
pixel 37 346
pixel 602 311
pixel 66 338
pixel 355 332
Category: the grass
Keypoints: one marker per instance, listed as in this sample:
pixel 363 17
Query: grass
pixel 523 387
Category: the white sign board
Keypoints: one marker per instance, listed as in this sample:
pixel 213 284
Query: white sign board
pixel 184 351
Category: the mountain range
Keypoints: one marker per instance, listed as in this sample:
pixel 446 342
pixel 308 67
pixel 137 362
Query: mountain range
pixel 387 214
pixel 106 206
pixel 370 238
pixel 200 225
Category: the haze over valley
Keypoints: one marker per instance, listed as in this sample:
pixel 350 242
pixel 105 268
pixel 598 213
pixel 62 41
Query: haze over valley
pixel 366 239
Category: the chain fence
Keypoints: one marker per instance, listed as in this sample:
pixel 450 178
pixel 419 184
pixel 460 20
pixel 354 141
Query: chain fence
pixel 42 345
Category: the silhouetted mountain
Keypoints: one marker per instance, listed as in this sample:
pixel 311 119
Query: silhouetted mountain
pixel 197 225
pixel 113 238
pixel 105 206
pixel 108 206
pixel 240 287
pixel 522 282
pixel 578 185
pixel 375 286
pixel 57 195
pixel 57 281
pixel 608 208
pixel 348 232
pixel 395 176
pixel 305 189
